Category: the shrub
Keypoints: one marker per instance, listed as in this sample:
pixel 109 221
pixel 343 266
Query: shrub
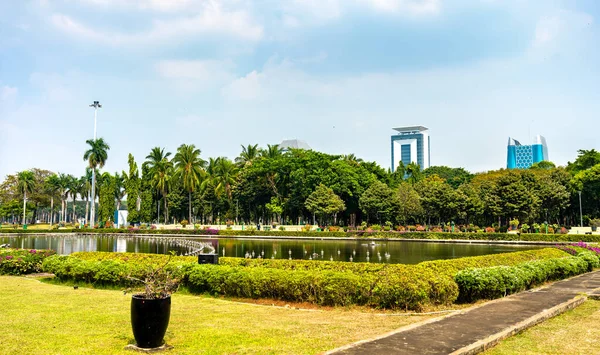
pixel 22 261
pixel 184 223
pixel 499 281
pixel 375 227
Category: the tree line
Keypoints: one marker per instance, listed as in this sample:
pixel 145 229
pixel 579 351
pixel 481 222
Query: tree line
pixel 295 186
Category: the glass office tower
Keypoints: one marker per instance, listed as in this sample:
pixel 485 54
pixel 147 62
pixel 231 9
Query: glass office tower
pixel 411 145
pixel 523 156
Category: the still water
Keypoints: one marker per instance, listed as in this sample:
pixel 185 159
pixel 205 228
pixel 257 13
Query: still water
pixel 395 252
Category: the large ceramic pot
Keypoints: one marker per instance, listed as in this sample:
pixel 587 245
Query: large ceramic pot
pixel 149 320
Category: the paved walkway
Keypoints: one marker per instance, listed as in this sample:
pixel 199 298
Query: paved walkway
pixel 467 332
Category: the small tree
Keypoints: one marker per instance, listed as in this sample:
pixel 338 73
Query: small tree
pixel 324 202
pixel 275 208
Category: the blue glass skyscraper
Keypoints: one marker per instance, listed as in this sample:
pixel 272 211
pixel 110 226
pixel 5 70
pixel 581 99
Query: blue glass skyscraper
pixel 523 156
pixel 411 145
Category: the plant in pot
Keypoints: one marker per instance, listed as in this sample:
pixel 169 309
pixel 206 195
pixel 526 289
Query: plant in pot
pixel 151 306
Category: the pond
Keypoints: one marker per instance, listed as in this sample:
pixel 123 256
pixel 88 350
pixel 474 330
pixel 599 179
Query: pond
pixel 395 252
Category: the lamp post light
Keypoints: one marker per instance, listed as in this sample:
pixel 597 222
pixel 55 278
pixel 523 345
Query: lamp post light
pixel 96 105
pixel 580 211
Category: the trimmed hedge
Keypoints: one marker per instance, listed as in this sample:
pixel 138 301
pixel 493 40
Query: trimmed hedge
pixel 499 281
pixel 350 234
pixel 321 282
pixel 22 261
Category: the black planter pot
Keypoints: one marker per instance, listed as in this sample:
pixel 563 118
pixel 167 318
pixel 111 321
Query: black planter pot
pixel 149 320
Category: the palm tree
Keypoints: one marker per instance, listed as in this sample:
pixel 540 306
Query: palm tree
pixel 119 188
pixel 63 188
pixel 96 156
pixel 25 184
pixel 189 168
pixel 76 187
pixel 247 155
pixel 161 170
pixel 51 186
pixel 225 173
pixel 351 158
pixel 272 151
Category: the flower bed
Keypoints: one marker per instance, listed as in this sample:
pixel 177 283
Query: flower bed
pixel 338 234
pixel 22 261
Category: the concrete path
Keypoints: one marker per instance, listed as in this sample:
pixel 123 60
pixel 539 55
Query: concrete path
pixel 480 328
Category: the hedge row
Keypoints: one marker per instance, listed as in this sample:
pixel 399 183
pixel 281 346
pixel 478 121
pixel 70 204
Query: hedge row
pixel 22 261
pixel 320 282
pixel 350 234
pixel 499 281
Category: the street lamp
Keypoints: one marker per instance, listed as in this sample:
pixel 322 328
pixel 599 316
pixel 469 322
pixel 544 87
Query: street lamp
pixel 96 105
pixel 580 211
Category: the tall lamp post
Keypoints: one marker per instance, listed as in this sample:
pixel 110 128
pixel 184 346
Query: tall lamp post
pixel 580 211
pixel 96 105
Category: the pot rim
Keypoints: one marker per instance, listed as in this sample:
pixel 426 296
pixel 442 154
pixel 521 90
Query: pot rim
pixel 141 296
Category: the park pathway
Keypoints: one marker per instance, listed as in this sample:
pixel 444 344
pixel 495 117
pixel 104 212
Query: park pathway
pixel 479 328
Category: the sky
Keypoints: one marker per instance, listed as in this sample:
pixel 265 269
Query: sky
pixel 338 74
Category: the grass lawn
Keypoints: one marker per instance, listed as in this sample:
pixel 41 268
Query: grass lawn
pixel 42 318
pixel 574 332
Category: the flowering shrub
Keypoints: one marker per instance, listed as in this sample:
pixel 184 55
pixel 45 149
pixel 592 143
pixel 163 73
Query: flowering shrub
pixel 563 230
pixel 184 223
pixel 490 230
pixel 307 228
pixel 420 228
pixel 210 231
pixel 22 261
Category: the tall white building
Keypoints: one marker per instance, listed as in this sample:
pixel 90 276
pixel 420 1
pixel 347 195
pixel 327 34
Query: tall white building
pixel 411 145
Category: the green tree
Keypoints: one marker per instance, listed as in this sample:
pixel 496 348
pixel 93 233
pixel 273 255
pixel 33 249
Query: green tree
pixel 132 190
pixel 161 169
pixel 25 184
pixel 248 155
pixel 413 172
pixel 408 204
pixel 453 176
pixel 378 202
pixel 96 156
pixel 272 151
pixel 586 159
pixel 543 165
pixel 51 186
pixel 324 202
pixel 438 198
pixel 189 169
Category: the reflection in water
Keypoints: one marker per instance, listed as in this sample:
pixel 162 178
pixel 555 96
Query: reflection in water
pixel 404 252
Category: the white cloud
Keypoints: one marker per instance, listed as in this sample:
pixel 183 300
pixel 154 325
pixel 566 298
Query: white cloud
pixel 154 5
pixel 559 26
pixel 8 93
pixel 213 19
pixel 412 7
pixel 192 75
pixel 53 87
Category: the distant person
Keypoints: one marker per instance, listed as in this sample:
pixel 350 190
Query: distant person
pixel 257 226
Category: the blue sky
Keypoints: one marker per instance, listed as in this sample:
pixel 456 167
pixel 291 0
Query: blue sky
pixel 339 74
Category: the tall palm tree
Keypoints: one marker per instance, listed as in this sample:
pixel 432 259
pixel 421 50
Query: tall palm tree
pixel 25 184
pixel 247 155
pixel 161 171
pixel 96 156
pixel 63 188
pixel 76 187
pixel 51 186
pixel 272 151
pixel 225 172
pixel 189 168
pixel 119 188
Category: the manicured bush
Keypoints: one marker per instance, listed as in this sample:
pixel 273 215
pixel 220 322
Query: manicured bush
pixel 499 281
pixel 22 261
pixel 321 282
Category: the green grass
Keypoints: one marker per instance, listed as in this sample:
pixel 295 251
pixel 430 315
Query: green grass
pixel 42 318
pixel 574 332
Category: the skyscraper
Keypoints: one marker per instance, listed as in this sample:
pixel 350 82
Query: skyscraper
pixel 411 145
pixel 523 156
